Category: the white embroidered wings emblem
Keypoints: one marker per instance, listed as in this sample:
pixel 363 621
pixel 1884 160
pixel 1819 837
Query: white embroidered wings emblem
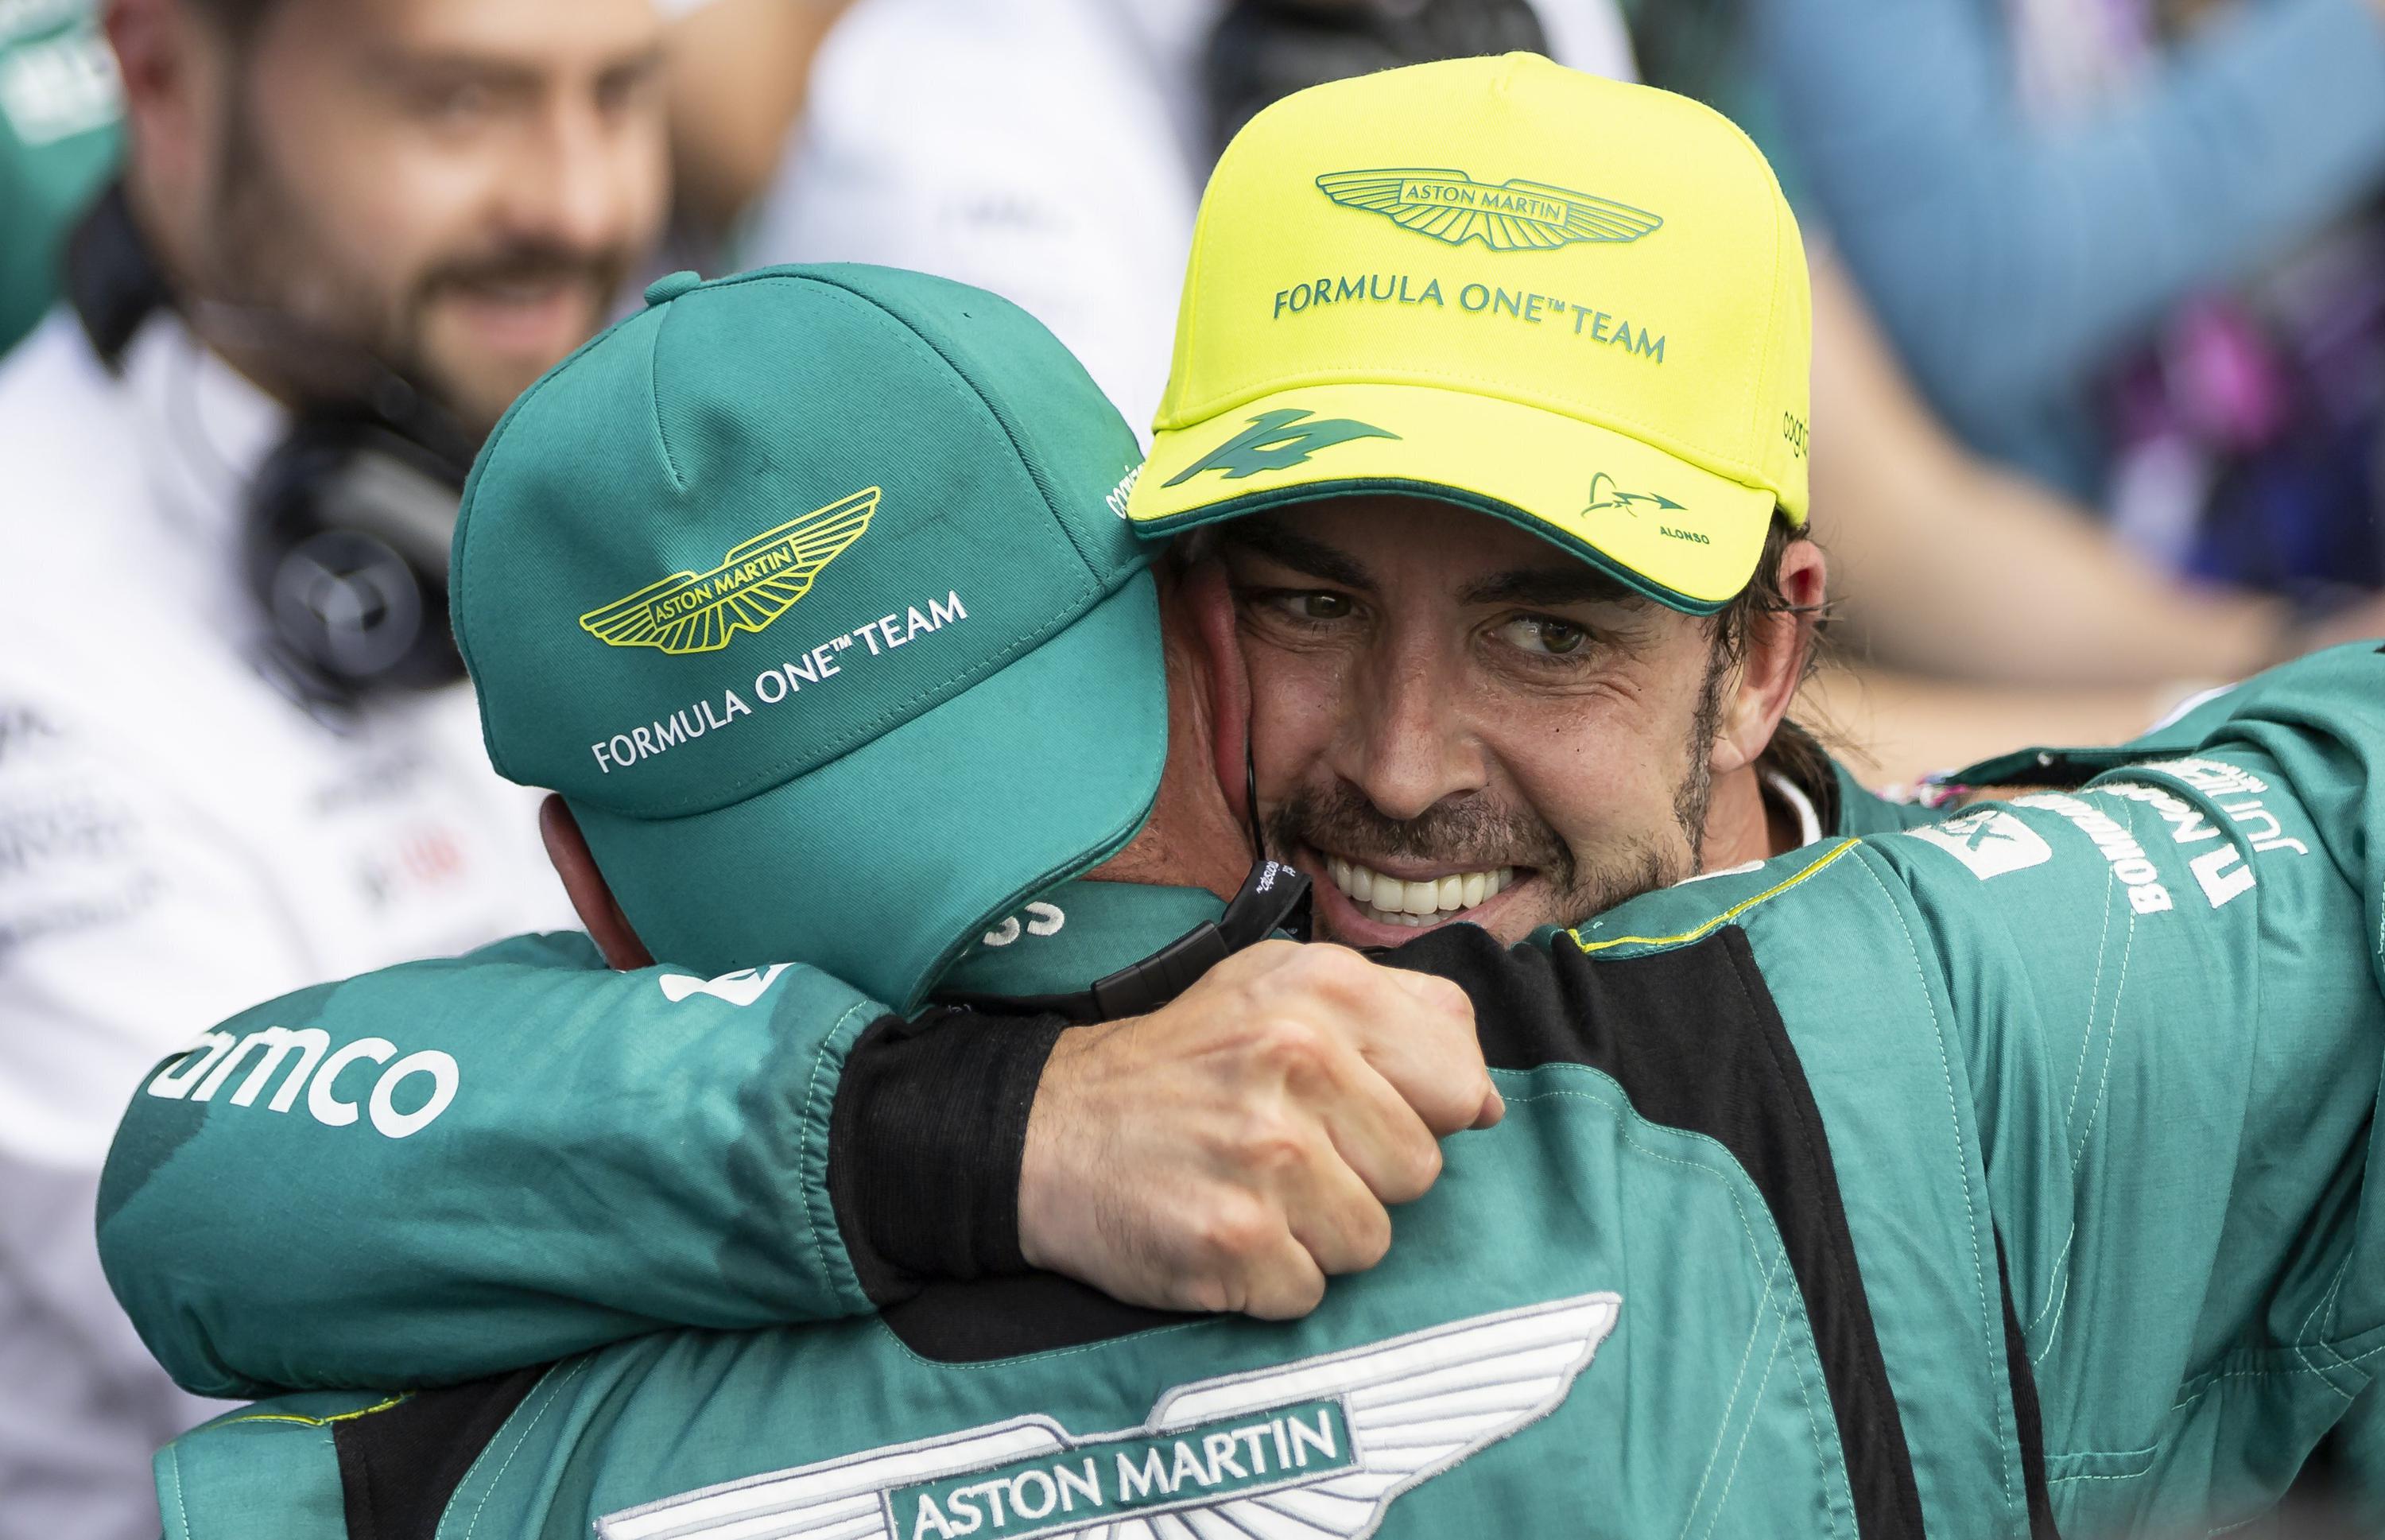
pixel 1307 1451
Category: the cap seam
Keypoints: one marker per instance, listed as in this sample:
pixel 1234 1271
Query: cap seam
pixel 1646 433
pixel 1771 302
pixel 655 398
pixel 1026 461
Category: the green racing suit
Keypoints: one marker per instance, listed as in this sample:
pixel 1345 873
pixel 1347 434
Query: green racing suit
pixel 1996 1173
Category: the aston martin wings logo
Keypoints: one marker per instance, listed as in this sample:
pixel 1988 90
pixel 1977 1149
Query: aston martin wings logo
pixel 754 584
pixel 1311 1450
pixel 1514 216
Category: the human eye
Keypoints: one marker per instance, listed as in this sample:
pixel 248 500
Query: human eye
pixel 1310 607
pixel 453 104
pixel 1545 636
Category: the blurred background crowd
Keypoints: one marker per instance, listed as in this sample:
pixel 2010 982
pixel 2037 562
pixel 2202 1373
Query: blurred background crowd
pixel 2099 418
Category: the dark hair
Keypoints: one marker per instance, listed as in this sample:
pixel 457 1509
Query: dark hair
pixel 1796 751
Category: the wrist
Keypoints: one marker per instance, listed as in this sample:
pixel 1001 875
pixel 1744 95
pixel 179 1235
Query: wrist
pixel 926 1144
pixel 1050 1204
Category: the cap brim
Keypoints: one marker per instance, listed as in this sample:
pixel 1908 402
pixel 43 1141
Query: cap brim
pixel 1669 529
pixel 881 867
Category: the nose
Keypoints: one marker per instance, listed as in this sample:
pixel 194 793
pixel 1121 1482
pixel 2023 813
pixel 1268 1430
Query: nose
pixel 579 192
pixel 1407 744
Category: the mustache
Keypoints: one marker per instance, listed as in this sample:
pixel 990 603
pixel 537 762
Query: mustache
pixel 604 269
pixel 1473 833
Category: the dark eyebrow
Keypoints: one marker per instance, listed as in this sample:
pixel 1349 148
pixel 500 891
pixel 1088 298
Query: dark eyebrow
pixel 443 66
pixel 1574 583
pixel 1311 557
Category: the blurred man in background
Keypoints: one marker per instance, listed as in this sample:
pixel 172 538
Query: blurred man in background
pixel 232 757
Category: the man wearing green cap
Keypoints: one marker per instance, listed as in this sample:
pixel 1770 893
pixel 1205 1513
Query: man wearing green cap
pixel 1824 1200
pixel 666 615
pixel 1624 788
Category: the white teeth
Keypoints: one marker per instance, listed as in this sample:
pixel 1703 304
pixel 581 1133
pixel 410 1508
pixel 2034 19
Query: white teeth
pixel 1396 901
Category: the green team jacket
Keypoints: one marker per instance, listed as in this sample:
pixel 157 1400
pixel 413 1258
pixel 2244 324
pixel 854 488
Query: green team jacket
pixel 1996 1173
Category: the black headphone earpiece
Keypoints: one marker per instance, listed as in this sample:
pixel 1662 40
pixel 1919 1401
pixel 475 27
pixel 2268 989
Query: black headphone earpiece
pixel 345 550
pixel 345 543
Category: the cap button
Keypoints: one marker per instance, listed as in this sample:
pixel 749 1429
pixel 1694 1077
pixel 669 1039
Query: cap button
pixel 669 286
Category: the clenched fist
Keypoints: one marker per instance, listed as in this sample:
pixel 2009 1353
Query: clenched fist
pixel 1231 1149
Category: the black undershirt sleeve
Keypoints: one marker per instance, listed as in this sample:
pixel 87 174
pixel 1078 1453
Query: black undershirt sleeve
pixel 924 1143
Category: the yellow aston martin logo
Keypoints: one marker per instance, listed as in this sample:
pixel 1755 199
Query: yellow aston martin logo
pixel 1514 216
pixel 758 582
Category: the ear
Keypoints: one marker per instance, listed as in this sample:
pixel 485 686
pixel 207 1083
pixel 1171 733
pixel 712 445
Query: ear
pixel 174 69
pixel 607 925
pixel 1209 606
pixel 1774 666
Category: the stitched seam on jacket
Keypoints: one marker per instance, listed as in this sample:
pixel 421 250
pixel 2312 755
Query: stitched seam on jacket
pixel 2004 1433
pixel 2094 993
pixel 2111 1041
pixel 803 1158
pixel 181 1511
pixel 1745 1429
pixel 1738 1378
pixel 1625 1114
pixel 2303 1339
pixel 1818 1141
pixel 553 1394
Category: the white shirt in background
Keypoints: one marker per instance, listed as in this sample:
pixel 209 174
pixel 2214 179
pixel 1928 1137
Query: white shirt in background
pixel 179 839
pixel 1053 151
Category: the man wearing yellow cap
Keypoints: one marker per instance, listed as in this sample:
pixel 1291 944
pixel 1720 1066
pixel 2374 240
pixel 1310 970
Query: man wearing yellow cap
pixel 1496 381
pixel 1884 1189
pixel 1581 722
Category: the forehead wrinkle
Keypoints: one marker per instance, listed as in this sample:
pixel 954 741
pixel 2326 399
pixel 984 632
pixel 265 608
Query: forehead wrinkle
pixel 1302 553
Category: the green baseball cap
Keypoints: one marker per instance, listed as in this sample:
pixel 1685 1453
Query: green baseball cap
pixel 809 591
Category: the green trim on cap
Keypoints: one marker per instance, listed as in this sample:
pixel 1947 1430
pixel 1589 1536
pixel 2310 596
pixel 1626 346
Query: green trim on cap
pixel 1475 502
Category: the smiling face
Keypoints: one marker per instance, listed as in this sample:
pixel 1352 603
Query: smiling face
pixel 1455 720
pixel 459 186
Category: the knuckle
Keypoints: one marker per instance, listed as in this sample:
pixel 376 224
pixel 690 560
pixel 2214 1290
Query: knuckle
pixel 1291 1045
pixel 1336 970
pixel 1206 1296
pixel 1271 1143
pixel 1424 1167
pixel 1418 1169
pixel 1235 1231
pixel 1289 1298
pixel 1373 1241
pixel 1450 998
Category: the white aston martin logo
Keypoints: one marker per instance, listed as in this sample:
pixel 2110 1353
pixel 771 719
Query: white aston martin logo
pixel 1308 1450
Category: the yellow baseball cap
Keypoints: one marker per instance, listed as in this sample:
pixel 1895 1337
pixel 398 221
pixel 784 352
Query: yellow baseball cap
pixel 1573 304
